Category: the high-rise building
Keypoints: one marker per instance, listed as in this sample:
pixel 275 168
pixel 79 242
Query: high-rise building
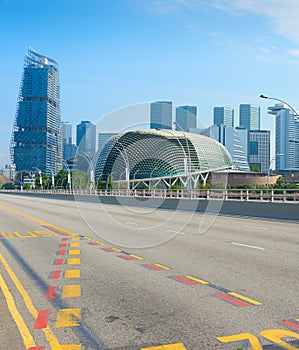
pixel 86 137
pixel 161 115
pixel 250 116
pixel 36 139
pixel 235 140
pixel 67 131
pixel 259 149
pixel 224 116
pixel 286 137
pixel 186 117
pixel 103 137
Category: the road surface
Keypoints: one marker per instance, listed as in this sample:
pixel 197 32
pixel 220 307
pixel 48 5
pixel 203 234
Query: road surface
pixel 90 276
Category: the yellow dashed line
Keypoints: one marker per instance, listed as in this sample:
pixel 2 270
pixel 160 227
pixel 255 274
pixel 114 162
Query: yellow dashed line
pixel 75 239
pixel 100 243
pixel 239 296
pixel 178 346
pixel 88 238
pixel 162 267
pixel 73 261
pixel 74 252
pixel 116 249
pixel 197 280
pixel 68 318
pixel 67 347
pixel 74 245
pixel 72 274
pixel 136 257
pixel 71 291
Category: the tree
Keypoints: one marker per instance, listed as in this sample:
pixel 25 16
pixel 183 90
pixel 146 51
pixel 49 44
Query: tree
pixel 255 168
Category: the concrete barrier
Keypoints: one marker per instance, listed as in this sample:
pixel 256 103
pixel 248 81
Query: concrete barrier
pixel 274 210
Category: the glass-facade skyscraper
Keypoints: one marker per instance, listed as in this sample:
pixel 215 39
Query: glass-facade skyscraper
pixel 250 117
pixel 161 115
pixel 224 116
pixel 36 139
pixel 86 137
pixel 186 117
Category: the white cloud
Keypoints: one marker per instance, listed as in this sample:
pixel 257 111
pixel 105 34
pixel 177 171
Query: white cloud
pixel 294 52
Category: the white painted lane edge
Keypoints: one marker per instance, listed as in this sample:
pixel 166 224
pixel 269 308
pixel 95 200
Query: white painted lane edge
pixel 131 223
pixel 247 246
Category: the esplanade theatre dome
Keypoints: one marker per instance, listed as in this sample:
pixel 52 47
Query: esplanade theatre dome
pixel 159 153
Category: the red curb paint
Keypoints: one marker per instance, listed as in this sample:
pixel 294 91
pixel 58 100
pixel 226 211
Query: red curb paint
pixel 92 243
pixel 61 252
pixel 184 280
pixel 58 261
pixel 126 257
pixel 64 239
pixel 55 274
pixel 109 250
pixel 232 300
pixel 51 293
pixel 37 348
pixel 42 319
pixel 291 324
pixel 63 245
pixel 151 267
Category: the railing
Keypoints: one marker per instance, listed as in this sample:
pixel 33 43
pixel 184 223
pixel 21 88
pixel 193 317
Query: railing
pixel 271 195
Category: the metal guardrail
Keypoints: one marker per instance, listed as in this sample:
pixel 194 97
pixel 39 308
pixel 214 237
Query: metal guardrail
pixel 273 195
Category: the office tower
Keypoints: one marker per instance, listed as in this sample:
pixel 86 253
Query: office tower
pixel 67 131
pixel 161 115
pixel 36 140
pixel 259 149
pixel 86 137
pixel 186 117
pixel 103 137
pixel 286 137
pixel 235 140
pixel 224 116
pixel 249 117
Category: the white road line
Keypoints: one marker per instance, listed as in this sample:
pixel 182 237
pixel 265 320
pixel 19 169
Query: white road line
pixel 131 223
pixel 248 246
pixel 173 231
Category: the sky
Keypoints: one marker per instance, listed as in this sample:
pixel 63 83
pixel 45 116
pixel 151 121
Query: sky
pixel 118 53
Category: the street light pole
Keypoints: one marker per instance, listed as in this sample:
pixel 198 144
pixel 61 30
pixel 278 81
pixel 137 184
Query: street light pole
pixel 279 100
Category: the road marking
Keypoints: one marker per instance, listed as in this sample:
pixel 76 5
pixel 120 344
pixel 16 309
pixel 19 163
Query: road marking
pixel 152 267
pixel 30 307
pixel 178 346
pixel 232 300
pixel 63 245
pixel 72 274
pixel 74 245
pixel 197 280
pixel 291 324
pixel 117 250
pixel 183 280
pixel 163 267
pixel 88 238
pixel 26 335
pixel 173 231
pixel 109 250
pixel 136 257
pixel 126 257
pixel 51 292
pixel 72 239
pixel 73 261
pixel 248 246
pixel 61 252
pixel 71 291
pixel 131 223
pixel 68 318
pixel 58 261
pixel 240 296
pixel 253 340
pixel 55 274
pixel 42 319
pixel 74 252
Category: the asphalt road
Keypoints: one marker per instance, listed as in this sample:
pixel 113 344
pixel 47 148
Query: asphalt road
pixel 90 276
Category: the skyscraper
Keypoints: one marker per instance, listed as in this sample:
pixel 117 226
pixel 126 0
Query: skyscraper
pixel 103 137
pixel 286 137
pixel 86 137
pixel 224 116
pixel 250 116
pixel 186 117
pixel 36 140
pixel 161 115
pixel 67 130
pixel 259 149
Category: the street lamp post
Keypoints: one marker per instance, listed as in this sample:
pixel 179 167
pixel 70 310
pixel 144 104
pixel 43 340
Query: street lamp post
pixel 279 100
pixel 269 169
pixel 69 179
pixel 127 167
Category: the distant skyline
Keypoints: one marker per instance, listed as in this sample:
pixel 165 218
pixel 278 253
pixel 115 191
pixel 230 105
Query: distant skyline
pixel 118 53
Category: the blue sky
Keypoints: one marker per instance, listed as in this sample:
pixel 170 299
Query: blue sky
pixel 115 53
